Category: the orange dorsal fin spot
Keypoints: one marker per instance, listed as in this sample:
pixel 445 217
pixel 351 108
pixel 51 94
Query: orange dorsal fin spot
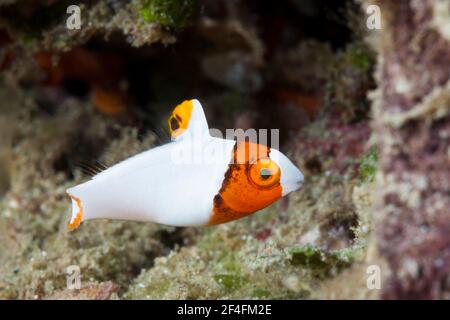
pixel 75 222
pixel 180 117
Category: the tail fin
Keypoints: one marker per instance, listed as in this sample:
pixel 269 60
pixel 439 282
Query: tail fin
pixel 77 213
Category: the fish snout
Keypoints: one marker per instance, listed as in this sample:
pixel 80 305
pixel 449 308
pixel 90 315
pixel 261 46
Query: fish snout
pixel 291 176
pixel 295 181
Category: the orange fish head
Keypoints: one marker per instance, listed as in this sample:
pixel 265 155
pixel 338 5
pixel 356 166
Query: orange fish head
pixel 257 177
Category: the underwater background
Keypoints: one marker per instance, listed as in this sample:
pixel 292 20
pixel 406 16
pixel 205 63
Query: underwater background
pixel 364 113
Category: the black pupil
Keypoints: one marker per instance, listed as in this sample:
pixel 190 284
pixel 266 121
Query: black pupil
pixel 265 173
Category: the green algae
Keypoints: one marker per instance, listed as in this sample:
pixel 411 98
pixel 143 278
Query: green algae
pixel 230 282
pixel 360 57
pixel 261 293
pixel 323 263
pixel 172 13
pixel 368 166
pixel 350 76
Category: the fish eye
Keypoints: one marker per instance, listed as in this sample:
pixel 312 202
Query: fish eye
pixel 264 173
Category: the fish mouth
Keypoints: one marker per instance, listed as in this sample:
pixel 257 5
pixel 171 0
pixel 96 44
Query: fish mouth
pixel 296 185
pixel 293 185
pixel 297 181
pixel 77 213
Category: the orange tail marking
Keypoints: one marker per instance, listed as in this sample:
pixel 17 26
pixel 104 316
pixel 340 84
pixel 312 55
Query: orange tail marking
pixel 76 222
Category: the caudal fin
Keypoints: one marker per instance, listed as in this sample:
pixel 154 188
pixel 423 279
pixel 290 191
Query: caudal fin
pixel 77 213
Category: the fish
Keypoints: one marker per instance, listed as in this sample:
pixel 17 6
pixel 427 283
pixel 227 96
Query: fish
pixel 197 179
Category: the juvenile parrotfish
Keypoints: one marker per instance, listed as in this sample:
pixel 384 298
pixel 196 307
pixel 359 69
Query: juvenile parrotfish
pixel 195 180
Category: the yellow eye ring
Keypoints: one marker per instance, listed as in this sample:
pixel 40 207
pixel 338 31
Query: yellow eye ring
pixel 264 173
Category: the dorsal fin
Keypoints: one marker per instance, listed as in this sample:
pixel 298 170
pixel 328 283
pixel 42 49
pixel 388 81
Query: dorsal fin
pixel 90 169
pixel 188 120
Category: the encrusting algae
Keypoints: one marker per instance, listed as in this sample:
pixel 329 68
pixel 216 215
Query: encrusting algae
pixel 77 102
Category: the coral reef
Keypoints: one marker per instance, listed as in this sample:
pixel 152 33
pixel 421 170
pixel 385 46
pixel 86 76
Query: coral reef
pixel 412 122
pixel 377 170
pixel 66 117
pixel 270 255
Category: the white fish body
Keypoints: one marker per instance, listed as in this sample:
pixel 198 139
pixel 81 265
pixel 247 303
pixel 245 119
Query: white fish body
pixel 175 184
pixel 151 187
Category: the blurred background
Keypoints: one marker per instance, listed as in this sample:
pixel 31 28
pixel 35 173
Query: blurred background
pixel 363 111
